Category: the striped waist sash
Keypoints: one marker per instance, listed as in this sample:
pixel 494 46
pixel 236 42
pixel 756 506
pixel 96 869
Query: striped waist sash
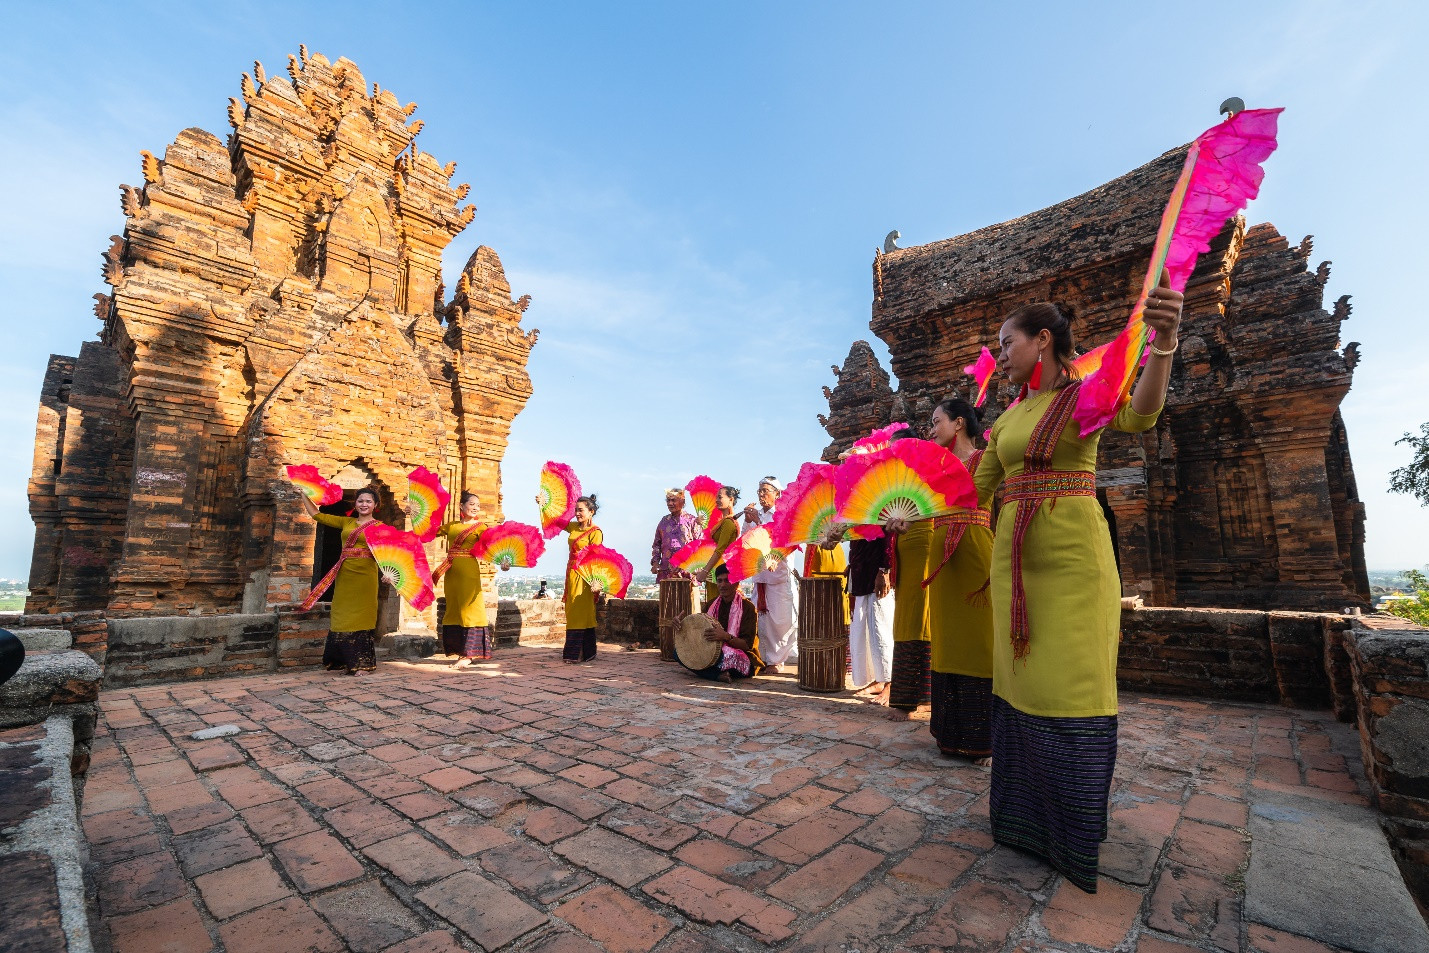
pixel 358 551
pixel 1030 489
pixel 957 524
pixel 447 563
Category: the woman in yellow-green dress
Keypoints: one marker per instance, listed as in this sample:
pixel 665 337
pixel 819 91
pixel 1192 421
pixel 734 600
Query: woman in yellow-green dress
pixel 465 629
pixel 351 644
pixel 1056 593
pixel 580 598
pixel 724 530
pixel 959 609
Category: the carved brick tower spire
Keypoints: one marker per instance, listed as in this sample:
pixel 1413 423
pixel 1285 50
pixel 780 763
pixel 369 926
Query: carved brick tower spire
pixel 276 299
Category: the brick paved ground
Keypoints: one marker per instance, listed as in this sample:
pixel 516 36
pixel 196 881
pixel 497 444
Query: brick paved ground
pixel 624 806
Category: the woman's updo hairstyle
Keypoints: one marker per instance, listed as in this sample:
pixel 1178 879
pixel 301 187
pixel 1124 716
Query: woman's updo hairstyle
pixel 467 496
pixel 955 408
pixel 368 491
pixel 589 501
pixel 731 492
pixel 1051 316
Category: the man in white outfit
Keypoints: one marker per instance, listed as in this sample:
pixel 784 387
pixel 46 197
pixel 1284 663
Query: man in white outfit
pixel 871 632
pixel 776 590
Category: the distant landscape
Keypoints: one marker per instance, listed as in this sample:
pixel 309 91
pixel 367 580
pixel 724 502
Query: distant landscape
pixel 12 595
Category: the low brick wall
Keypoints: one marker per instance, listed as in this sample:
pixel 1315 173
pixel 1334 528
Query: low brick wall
pixel 1390 665
pixel 529 622
pixel 90 629
pixel 629 622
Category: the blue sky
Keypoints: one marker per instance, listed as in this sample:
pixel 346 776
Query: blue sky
pixel 692 195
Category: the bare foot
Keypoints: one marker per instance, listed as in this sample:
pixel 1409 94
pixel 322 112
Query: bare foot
pixel 899 714
pixel 727 678
pixel 983 762
pixel 463 663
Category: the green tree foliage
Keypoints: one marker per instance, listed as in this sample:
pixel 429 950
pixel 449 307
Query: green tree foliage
pixel 1417 609
pixel 1414 478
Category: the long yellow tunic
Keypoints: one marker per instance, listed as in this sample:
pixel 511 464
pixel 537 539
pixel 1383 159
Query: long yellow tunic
pixel 580 598
pixel 466 603
pixel 1068 570
pixel 726 531
pixel 910 604
pixel 959 609
pixel 829 562
pixel 354 594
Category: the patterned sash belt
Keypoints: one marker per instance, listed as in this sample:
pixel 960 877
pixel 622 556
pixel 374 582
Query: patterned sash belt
pixel 447 563
pixel 1031 489
pixel 957 524
pixel 348 552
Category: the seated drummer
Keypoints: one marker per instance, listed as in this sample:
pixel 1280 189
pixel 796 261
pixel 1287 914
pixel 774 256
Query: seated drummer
pixel 738 630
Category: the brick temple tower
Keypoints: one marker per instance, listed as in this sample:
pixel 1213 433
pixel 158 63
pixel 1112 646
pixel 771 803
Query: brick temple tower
pixel 275 299
pixel 1244 495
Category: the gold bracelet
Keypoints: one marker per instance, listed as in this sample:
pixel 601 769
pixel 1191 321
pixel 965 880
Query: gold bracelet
pixel 1160 353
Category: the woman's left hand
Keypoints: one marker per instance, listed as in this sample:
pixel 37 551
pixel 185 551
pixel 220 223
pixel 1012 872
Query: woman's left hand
pixel 1163 312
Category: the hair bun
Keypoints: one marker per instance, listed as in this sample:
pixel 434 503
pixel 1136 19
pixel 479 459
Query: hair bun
pixel 1068 312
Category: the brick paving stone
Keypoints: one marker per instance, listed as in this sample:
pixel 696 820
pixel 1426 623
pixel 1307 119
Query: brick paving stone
pixel 174 797
pixel 241 888
pixel 617 920
pixel 490 915
pixel 1190 903
pixel 117 825
pixel 648 827
pixel 366 822
pixel 799 843
pixel 793 807
pixel 583 803
pixel 530 871
pixel 929 868
pixel 286 925
pixel 550 824
pixel 278 820
pixel 704 899
pixel 892 831
pixel 613 857
pixel 142 882
pixel 449 779
pixel 1264 939
pixel 730 863
pixel 877 912
pixel 173 928
pixel 489 799
pixel 367 916
pixel 866 801
pixel 214 848
pixel 187 819
pixel 820 883
pixel 1153 944
pixel 1102 919
pixel 519 776
pixel 1215 849
pixel 1216 810
pixel 588 775
pixel 387 786
pixel 413 859
pixel 978 916
pixel 434 941
pixel 330 792
pixel 317 861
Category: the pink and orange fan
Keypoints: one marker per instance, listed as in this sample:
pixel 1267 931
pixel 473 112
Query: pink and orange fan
pixel 510 544
pixel 604 569
pixel 557 497
pixel 427 503
pixel 910 480
pixel 307 478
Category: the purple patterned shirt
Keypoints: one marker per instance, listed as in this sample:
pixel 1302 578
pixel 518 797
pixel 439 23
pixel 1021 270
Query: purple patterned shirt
pixel 672 534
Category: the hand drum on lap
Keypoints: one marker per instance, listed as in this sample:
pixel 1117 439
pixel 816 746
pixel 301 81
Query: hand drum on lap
pixel 694 651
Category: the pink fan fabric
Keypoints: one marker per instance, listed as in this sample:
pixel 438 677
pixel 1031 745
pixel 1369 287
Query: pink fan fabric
pixel 981 373
pixel 1222 173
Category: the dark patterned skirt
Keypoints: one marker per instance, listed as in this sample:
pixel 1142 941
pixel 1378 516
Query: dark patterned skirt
pixel 732 660
pixel 1050 782
pixel 962 715
pixel 467 641
pixel 580 645
pixel 352 651
pixel 912 674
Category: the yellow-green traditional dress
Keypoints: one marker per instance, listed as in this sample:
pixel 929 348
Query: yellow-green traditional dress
pixel 580 598
pixel 911 634
pixel 351 639
pixel 464 622
pixel 960 635
pixel 1054 714
pixel 726 531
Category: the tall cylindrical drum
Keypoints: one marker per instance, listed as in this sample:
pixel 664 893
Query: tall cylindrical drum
pixel 823 635
pixel 677 600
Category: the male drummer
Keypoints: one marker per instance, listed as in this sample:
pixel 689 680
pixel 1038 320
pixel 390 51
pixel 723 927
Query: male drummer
pixel 738 631
pixel 776 594
pixel 672 533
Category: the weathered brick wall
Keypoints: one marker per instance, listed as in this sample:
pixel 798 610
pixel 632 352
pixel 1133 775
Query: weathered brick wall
pixel 1244 494
pixel 275 300
pixel 90 630
pixel 629 621
pixel 530 622
pixel 1390 663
